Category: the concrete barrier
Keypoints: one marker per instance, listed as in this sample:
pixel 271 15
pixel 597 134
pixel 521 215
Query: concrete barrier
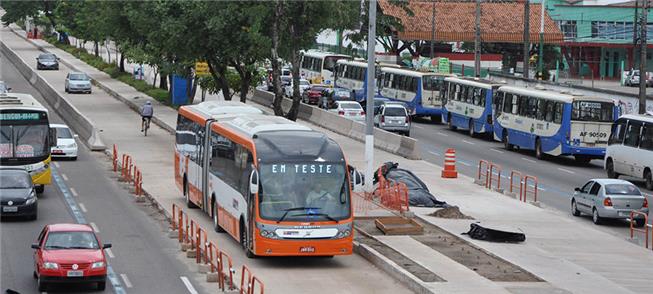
pixel 384 140
pixel 71 115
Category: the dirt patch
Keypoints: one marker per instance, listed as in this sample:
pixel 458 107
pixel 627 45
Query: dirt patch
pixel 451 212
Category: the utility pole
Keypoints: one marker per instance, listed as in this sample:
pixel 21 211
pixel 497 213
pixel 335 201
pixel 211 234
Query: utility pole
pixel 540 59
pixel 477 41
pixel 642 58
pixel 527 36
pixel 433 30
pixel 635 22
pixel 369 101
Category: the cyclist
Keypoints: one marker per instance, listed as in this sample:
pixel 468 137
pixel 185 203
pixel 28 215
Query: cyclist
pixel 146 114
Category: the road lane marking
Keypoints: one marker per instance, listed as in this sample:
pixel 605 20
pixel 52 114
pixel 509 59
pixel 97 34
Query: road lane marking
pixel 443 134
pixel 529 160
pixel 109 252
pixel 495 150
pixel 464 163
pixel 65 178
pixel 188 285
pixel 74 192
pixel 566 170
pixel 434 153
pixel 83 208
pixel 125 279
pixel 92 224
pixel 418 126
pixel 56 164
pixel 468 142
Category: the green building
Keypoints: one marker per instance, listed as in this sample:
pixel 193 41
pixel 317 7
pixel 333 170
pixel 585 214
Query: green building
pixel 598 36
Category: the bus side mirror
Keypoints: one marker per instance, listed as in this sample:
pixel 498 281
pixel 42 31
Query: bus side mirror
pixel 52 137
pixel 253 182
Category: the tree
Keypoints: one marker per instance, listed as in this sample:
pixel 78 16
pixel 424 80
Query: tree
pixel 387 27
pixel 16 11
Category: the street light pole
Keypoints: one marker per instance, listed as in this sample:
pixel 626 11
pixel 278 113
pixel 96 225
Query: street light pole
pixel 477 41
pixel 369 101
pixel 433 30
pixel 642 58
pixel 540 68
pixel 527 37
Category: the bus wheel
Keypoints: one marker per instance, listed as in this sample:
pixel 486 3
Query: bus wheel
pixel 582 159
pixel 506 143
pixel 609 166
pixel 450 124
pixel 471 128
pixel 40 188
pixel 244 240
pixel 436 119
pixel 649 179
pixel 189 203
pixel 538 149
pixel 216 224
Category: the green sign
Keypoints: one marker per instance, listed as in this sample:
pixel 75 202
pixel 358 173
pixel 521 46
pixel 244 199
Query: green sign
pixel 443 65
pixel 20 116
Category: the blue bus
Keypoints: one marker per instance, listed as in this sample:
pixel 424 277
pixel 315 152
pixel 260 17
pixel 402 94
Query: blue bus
pixel 468 104
pixel 554 123
pixel 419 90
pixel 352 75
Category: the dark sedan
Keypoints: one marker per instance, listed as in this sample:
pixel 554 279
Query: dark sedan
pixel 47 61
pixel 17 194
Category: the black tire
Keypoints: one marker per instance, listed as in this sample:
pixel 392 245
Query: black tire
pixel 450 124
pixel 40 189
pixel 73 158
pixel 216 225
pixel 436 119
pixel 609 167
pixel 538 149
pixel 596 219
pixel 649 179
pixel 244 241
pixel 65 90
pixel 407 134
pixel 639 222
pixel 34 275
pixel 189 203
pixel 101 286
pixel 582 159
pixel 33 217
pixel 471 128
pixel 506 142
pixel 574 208
pixel 43 286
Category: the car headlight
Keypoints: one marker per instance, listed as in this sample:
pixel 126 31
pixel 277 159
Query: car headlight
pixel 50 265
pixel 31 199
pixel 99 264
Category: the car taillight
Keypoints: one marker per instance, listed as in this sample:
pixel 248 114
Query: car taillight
pixel 383 119
pixel 363 113
pixel 341 112
pixel 607 202
pixel 645 205
pixel 407 119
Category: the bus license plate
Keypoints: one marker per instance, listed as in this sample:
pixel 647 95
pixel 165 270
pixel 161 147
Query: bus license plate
pixel 10 209
pixel 307 249
pixel 75 273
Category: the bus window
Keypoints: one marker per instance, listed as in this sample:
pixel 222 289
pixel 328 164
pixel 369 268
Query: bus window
pixel 557 117
pixel 523 105
pixel 647 137
pixel 507 103
pixel 550 111
pixel 541 109
pixel 632 135
pixel 592 111
pixel 618 133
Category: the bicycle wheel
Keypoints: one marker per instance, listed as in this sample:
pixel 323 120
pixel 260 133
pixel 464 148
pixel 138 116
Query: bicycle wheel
pixel 147 126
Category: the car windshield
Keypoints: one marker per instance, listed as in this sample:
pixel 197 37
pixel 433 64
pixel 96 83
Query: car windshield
pixel 78 77
pixel 395 111
pixel 48 57
pixel 304 191
pixel 350 106
pixel 23 141
pixel 64 133
pixel 15 180
pixel 71 240
pixel 592 111
pixel 304 83
pixel 621 189
pixel 317 88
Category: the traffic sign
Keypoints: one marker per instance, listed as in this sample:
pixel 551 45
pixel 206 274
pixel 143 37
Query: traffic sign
pixel 201 68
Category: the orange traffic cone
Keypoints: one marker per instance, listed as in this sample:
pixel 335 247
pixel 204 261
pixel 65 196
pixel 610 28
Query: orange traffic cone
pixel 449 170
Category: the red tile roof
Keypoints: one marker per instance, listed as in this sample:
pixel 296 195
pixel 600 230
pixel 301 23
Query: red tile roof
pixel 455 21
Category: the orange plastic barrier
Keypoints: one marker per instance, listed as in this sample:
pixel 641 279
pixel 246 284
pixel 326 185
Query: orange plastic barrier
pixel 633 229
pixel 449 170
pixel 222 276
pixel 395 197
pixel 483 166
pixel 526 187
pixel 490 176
pixel 519 183
pixel 245 283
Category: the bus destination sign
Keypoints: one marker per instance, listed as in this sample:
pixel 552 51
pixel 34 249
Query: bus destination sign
pixel 20 116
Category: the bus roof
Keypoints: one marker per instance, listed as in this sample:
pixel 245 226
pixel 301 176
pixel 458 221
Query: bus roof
pixel 322 54
pixel 638 117
pixel 413 73
pixel 480 83
pixel 552 95
pixel 352 62
pixel 297 146
pixel 253 124
pixel 20 101
pixel 214 109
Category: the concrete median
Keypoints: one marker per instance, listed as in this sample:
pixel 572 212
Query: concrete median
pixel 387 141
pixel 81 124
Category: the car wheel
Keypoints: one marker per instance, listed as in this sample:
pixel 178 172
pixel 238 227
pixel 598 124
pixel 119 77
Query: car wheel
pixel 35 275
pixel 538 149
pixel 506 142
pixel 73 158
pixel 649 179
pixel 101 286
pixel 471 128
pixel 609 166
pixel 33 217
pixel 596 219
pixel 244 240
pixel 41 285
pixel 65 89
pixel 407 134
pixel 216 225
pixel 39 189
pixel 639 222
pixel 574 208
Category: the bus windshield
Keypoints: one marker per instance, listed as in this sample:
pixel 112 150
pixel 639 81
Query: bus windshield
pixel 431 83
pixel 23 141
pixel 592 111
pixel 330 62
pixel 304 192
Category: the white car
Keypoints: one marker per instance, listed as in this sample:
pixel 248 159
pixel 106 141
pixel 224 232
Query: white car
pixel 77 82
pixel 349 109
pixel 66 145
pixel 303 85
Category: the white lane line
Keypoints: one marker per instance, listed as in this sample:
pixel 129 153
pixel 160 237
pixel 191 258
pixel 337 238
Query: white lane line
pixel 566 170
pixel 65 178
pixel 94 227
pixel 495 150
pixel 419 127
pixel 125 279
pixel 443 134
pixel 83 207
pixel 464 163
pixel 470 143
pixel 188 285
pixel 57 165
pixel 74 192
pixel 435 153
pixel 529 160
pixel 109 252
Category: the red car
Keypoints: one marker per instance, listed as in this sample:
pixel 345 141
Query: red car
pixel 69 253
pixel 313 94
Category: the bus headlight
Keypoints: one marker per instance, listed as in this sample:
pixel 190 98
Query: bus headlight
pixel 269 234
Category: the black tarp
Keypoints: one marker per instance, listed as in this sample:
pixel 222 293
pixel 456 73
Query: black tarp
pixel 479 232
pixel 418 193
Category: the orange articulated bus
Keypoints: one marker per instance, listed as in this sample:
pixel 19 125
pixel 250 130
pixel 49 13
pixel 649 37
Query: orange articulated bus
pixel 278 187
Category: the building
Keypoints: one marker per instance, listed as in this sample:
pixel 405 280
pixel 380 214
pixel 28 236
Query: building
pixel 598 36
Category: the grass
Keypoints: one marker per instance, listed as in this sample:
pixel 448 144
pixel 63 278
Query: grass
pixel 112 70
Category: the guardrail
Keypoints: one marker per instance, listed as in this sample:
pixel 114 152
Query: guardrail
pixel 481 176
pixel 494 169
pixel 519 183
pixel 525 188
pixel 644 230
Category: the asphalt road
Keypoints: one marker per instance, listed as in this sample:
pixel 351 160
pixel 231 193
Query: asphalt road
pixel 142 260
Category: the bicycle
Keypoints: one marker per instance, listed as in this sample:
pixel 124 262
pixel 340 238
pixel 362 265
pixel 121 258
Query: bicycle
pixel 147 126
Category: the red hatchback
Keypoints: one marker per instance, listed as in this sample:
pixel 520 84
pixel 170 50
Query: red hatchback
pixel 69 253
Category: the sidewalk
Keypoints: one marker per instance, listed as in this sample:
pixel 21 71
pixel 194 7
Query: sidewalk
pixel 570 254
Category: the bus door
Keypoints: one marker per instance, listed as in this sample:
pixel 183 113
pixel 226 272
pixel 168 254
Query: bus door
pixel 205 155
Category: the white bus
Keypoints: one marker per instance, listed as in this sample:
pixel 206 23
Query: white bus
pixel 553 123
pixel 630 148
pixel 318 67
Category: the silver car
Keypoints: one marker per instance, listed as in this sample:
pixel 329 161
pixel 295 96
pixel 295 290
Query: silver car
pixel 78 82
pixel 609 198
pixel 393 117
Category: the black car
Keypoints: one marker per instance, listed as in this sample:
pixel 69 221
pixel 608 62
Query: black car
pixel 17 194
pixel 47 61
